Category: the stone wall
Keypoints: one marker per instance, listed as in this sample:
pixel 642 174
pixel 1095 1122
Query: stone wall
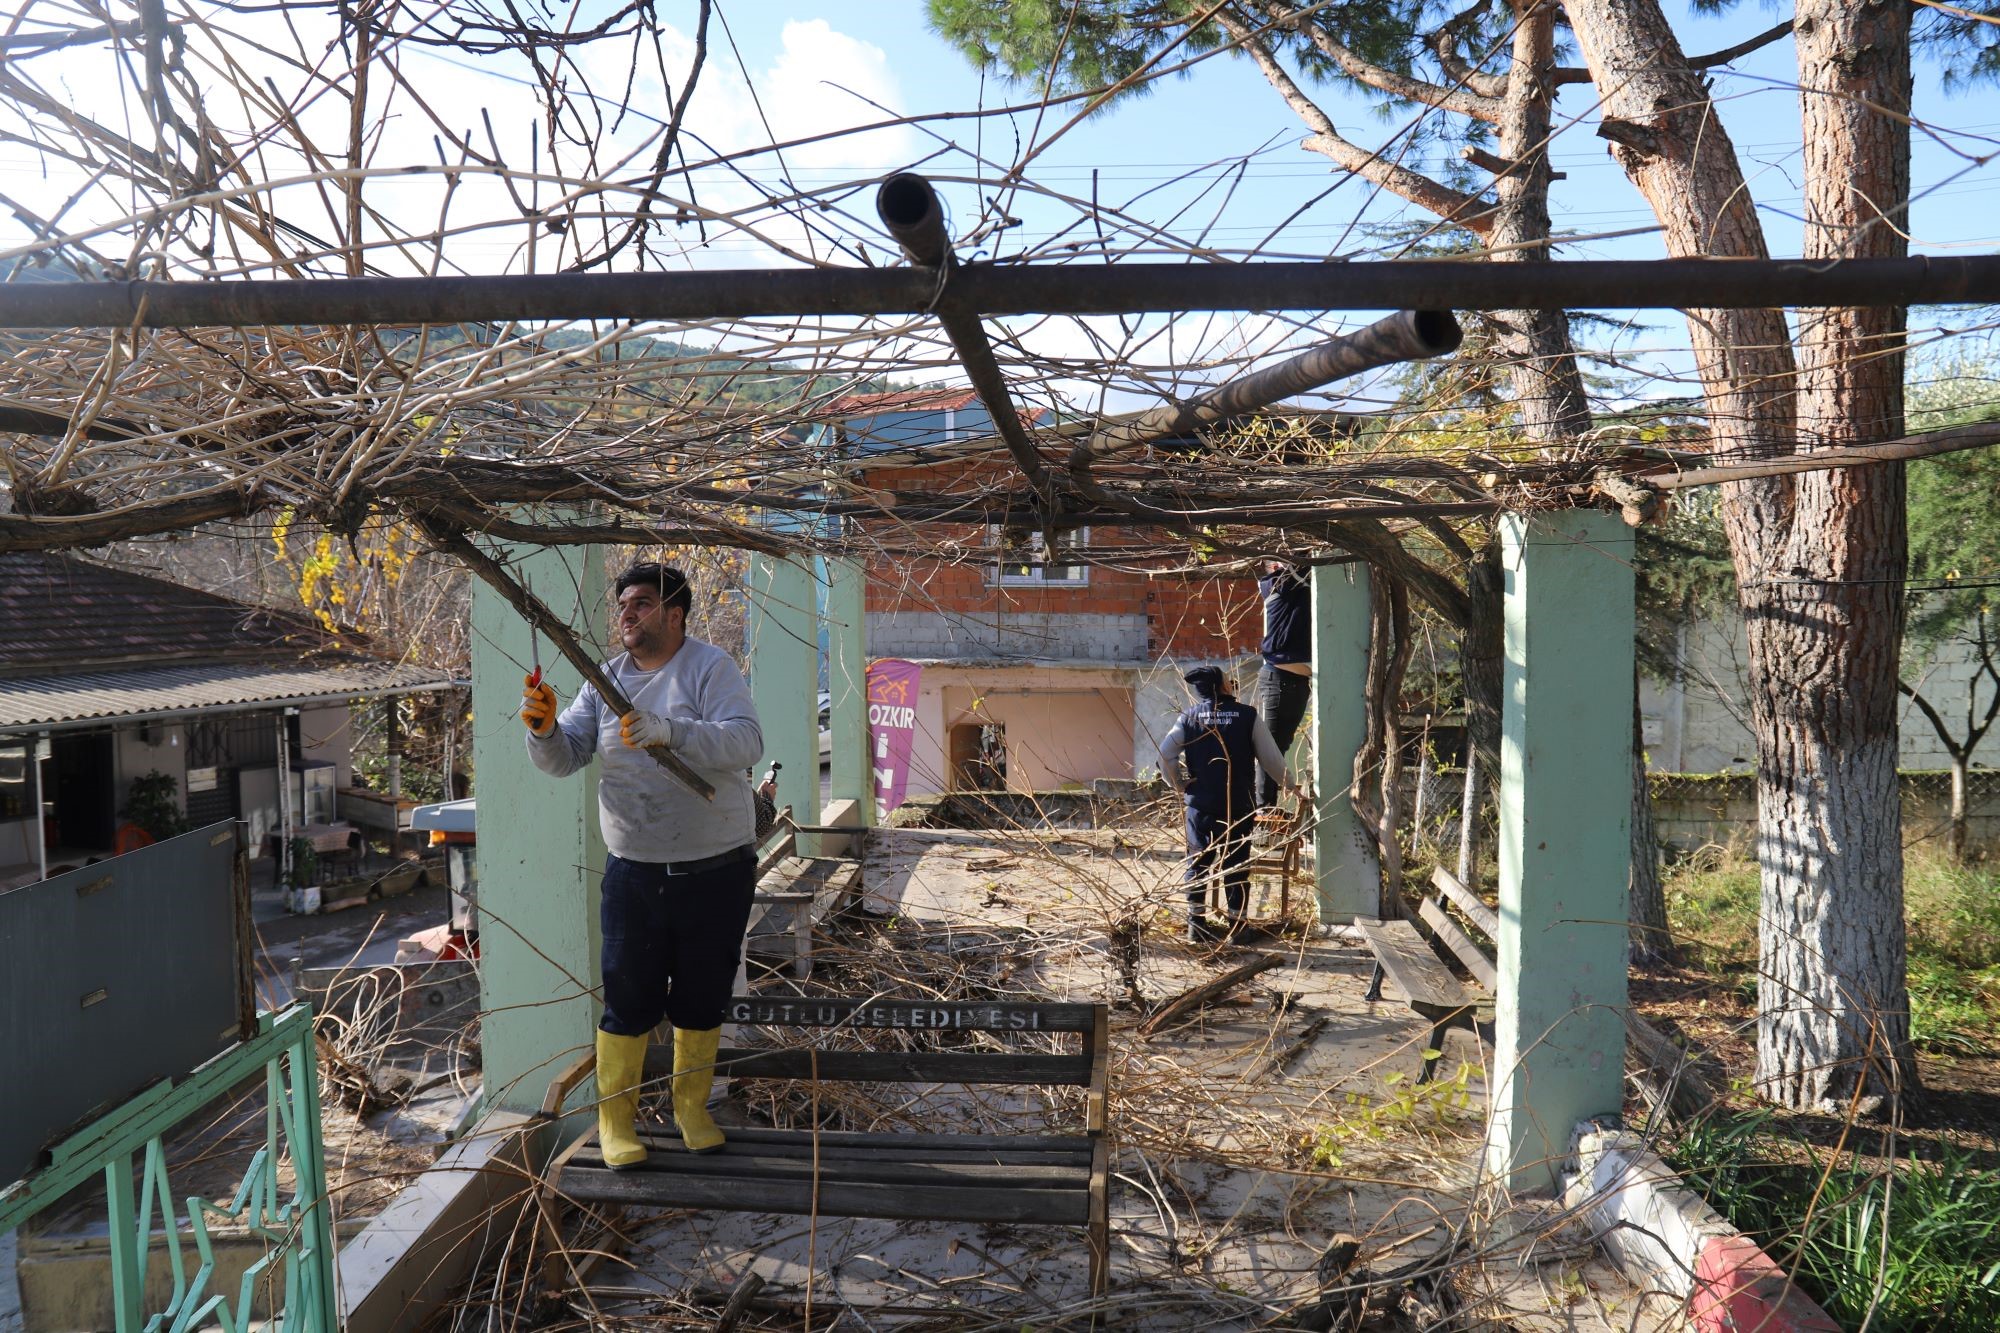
pixel 1694 810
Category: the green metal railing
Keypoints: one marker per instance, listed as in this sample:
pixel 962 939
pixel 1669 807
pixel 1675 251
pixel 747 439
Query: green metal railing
pixel 296 1223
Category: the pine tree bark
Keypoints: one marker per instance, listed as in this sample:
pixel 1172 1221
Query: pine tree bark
pixel 1831 818
pixel 1534 345
pixel 1832 1018
pixel 1646 909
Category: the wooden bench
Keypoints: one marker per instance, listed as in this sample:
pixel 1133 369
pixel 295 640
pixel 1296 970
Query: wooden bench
pixel 1414 961
pixel 796 893
pixel 1053 1179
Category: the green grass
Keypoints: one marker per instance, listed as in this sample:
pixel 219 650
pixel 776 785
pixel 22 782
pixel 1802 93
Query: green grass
pixel 1913 1249
pixel 1953 916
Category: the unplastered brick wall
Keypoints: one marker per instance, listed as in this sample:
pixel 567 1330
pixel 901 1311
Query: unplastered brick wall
pixel 1125 613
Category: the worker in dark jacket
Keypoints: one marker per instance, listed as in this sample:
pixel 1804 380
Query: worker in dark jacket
pixel 1222 742
pixel 1285 686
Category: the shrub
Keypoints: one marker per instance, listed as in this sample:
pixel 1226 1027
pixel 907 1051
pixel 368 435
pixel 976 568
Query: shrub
pixel 1899 1247
pixel 154 805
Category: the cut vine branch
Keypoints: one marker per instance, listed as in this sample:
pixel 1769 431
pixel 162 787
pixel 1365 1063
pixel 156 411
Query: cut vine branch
pixel 490 572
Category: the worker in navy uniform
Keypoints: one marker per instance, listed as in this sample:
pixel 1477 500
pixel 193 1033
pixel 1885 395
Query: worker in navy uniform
pixel 1222 743
pixel 1285 685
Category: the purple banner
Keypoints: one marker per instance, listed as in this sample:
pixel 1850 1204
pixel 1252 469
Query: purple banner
pixel 892 726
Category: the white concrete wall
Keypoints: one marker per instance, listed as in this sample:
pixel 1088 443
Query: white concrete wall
pixel 1065 725
pixel 1700 723
pixel 1948 683
pixel 133 758
pixel 326 735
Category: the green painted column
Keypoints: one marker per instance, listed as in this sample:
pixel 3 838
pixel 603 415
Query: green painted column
pixel 784 676
pixel 849 776
pixel 1347 870
pixel 540 854
pixel 1565 850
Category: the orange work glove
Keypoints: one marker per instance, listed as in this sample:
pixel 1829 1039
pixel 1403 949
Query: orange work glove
pixel 538 707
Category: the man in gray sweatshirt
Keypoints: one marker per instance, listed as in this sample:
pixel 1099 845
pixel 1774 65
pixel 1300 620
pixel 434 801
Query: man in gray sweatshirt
pixel 679 870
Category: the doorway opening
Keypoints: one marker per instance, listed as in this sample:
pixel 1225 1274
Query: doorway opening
pixel 979 756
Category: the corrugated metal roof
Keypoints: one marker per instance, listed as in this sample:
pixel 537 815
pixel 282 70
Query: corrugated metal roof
pixel 40 701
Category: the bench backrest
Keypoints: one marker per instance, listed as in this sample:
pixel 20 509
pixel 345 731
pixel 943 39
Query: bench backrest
pixel 1084 1069
pixel 1447 930
pixel 780 841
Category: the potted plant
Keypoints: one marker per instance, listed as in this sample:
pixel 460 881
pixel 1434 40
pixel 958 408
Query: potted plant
pixel 302 891
pixel 154 805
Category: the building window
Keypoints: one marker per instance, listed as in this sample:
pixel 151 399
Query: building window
pixel 1024 558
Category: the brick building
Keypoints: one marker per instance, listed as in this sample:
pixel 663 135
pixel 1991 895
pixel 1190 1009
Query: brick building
pixel 1039 674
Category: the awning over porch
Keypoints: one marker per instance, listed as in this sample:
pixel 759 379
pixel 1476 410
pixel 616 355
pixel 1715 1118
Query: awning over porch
pixel 93 698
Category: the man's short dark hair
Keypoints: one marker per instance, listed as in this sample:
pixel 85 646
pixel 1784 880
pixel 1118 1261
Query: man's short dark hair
pixel 670 583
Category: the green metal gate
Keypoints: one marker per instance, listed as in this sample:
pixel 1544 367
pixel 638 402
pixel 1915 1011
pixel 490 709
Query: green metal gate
pixel 295 1223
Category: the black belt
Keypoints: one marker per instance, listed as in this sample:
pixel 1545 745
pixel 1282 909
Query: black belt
pixel 729 858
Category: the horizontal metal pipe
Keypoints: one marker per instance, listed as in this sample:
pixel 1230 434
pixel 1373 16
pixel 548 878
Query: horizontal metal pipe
pixel 1056 289
pixel 1408 335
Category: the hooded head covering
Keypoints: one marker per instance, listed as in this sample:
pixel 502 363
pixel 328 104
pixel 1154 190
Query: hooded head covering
pixel 1206 680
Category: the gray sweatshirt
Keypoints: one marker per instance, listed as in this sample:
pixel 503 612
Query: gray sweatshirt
pixel 647 815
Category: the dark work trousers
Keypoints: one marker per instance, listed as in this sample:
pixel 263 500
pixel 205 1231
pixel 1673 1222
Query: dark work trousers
pixel 671 943
pixel 1217 846
pixel 1282 697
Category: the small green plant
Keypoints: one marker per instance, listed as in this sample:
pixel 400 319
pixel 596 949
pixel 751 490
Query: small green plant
pixel 305 863
pixel 154 805
pixel 1902 1247
pixel 1372 1118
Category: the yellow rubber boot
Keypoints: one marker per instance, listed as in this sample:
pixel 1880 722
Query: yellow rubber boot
pixel 621 1067
pixel 694 1074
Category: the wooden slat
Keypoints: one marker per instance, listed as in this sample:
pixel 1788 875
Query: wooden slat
pixel 775 851
pixel 1003 1068
pixel 739 1161
pixel 1454 937
pixel 827 1011
pixel 882 1148
pixel 1468 902
pixel 1409 962
pixel 971 1067
pixel 908 1066
pixel 939 1146
pixel 947 1203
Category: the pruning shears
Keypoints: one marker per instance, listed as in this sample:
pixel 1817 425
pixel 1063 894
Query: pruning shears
pixel 534 640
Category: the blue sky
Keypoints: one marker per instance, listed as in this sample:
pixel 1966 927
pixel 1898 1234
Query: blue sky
pixel 1173 163
pixel 1225 109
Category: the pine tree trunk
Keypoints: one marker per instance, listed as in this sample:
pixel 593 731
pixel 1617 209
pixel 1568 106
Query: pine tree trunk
pixel 1832 927
pixel 1823 651
pixel 1535 344
pixel 1652 941
pixel 1961 762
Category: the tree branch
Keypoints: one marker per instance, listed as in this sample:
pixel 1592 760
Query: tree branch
pixel 1445 41
pixel 1570 74
pixel 1462 101
pixel 1465 210
pixel 488 571
pixel 1937 723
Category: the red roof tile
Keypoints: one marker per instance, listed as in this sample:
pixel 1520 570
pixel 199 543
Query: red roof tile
pixel 904 400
